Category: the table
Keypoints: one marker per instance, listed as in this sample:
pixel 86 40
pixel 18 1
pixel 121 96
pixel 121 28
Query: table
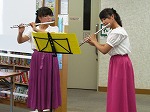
pixel 4 75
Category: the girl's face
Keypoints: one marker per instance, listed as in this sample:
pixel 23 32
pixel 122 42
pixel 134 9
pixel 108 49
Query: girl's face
pixel 107 20
pixel 46 18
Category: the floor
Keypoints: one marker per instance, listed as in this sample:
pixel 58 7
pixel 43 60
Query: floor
pixel 93 101
pixel 89 101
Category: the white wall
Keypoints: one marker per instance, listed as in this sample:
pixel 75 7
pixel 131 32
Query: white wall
pixel 14 12
pixel 135 15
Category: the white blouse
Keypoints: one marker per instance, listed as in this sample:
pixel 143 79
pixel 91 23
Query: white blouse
pixel 118 39
pixel 30 30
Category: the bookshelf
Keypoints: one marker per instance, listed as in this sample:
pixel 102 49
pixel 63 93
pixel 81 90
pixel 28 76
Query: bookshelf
pixel 19 63
pixel 8 62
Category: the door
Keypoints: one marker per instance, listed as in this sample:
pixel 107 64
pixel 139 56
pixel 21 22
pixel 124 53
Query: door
pixel 82 68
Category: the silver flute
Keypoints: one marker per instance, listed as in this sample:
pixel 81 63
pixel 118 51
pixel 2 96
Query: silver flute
pixel 26 25
pixel 95 33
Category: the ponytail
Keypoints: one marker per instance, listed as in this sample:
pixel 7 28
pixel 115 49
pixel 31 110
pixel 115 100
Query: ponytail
pixel 37 19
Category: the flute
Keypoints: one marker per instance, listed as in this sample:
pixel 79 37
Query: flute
pixel 26 25
pixel 95 33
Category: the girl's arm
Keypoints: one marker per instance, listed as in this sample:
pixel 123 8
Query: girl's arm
pixel 103 48
pixel 20 37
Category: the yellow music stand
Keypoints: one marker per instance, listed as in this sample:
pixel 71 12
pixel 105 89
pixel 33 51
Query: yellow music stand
pixel 56 42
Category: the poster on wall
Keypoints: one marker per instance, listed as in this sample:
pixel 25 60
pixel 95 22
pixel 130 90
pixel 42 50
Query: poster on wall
pixel 39 4
pixel 64 7
pixel 103 34
pixel 47 3
pixel 50 4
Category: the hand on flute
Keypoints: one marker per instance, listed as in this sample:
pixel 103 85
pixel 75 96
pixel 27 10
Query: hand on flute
pixel 33 25
pixel 21 28
pixel 87 38
pixel 91 39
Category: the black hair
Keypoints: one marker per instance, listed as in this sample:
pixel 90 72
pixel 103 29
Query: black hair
pixel 41 12
pixel 107 12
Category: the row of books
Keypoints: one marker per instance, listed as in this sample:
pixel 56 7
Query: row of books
pixel 23 78
pixel 14 60
pixel 22 61
pixel 20 93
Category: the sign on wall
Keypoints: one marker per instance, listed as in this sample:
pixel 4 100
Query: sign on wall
pixel 104 32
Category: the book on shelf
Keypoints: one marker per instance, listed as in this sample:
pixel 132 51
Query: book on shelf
pixel 22 93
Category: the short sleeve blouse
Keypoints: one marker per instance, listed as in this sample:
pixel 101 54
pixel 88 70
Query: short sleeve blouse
pixel 118 39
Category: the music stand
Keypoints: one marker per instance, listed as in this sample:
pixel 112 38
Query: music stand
pixel 62 42
pixel 56 43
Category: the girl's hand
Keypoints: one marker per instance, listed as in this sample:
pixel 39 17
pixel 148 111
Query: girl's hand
pixel 91 39
pixel 33 25
pixel 21 28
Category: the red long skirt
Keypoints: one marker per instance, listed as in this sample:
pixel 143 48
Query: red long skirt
pixel 121 88
pixel 40 87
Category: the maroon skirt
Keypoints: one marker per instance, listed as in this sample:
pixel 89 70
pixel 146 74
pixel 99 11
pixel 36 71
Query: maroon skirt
pixel 44 82
pixel 121 88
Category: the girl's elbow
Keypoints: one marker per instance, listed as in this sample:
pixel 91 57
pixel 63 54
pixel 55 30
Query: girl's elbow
pixel 19 42
pixel 104 52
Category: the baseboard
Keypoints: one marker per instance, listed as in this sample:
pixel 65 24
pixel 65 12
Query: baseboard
pixel 138 91
pixel 83 89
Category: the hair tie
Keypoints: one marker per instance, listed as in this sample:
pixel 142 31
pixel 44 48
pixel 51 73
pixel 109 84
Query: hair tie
pixel 114 10
pixel 36 13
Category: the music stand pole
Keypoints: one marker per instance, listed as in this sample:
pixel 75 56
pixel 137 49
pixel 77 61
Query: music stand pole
pixel 52 72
